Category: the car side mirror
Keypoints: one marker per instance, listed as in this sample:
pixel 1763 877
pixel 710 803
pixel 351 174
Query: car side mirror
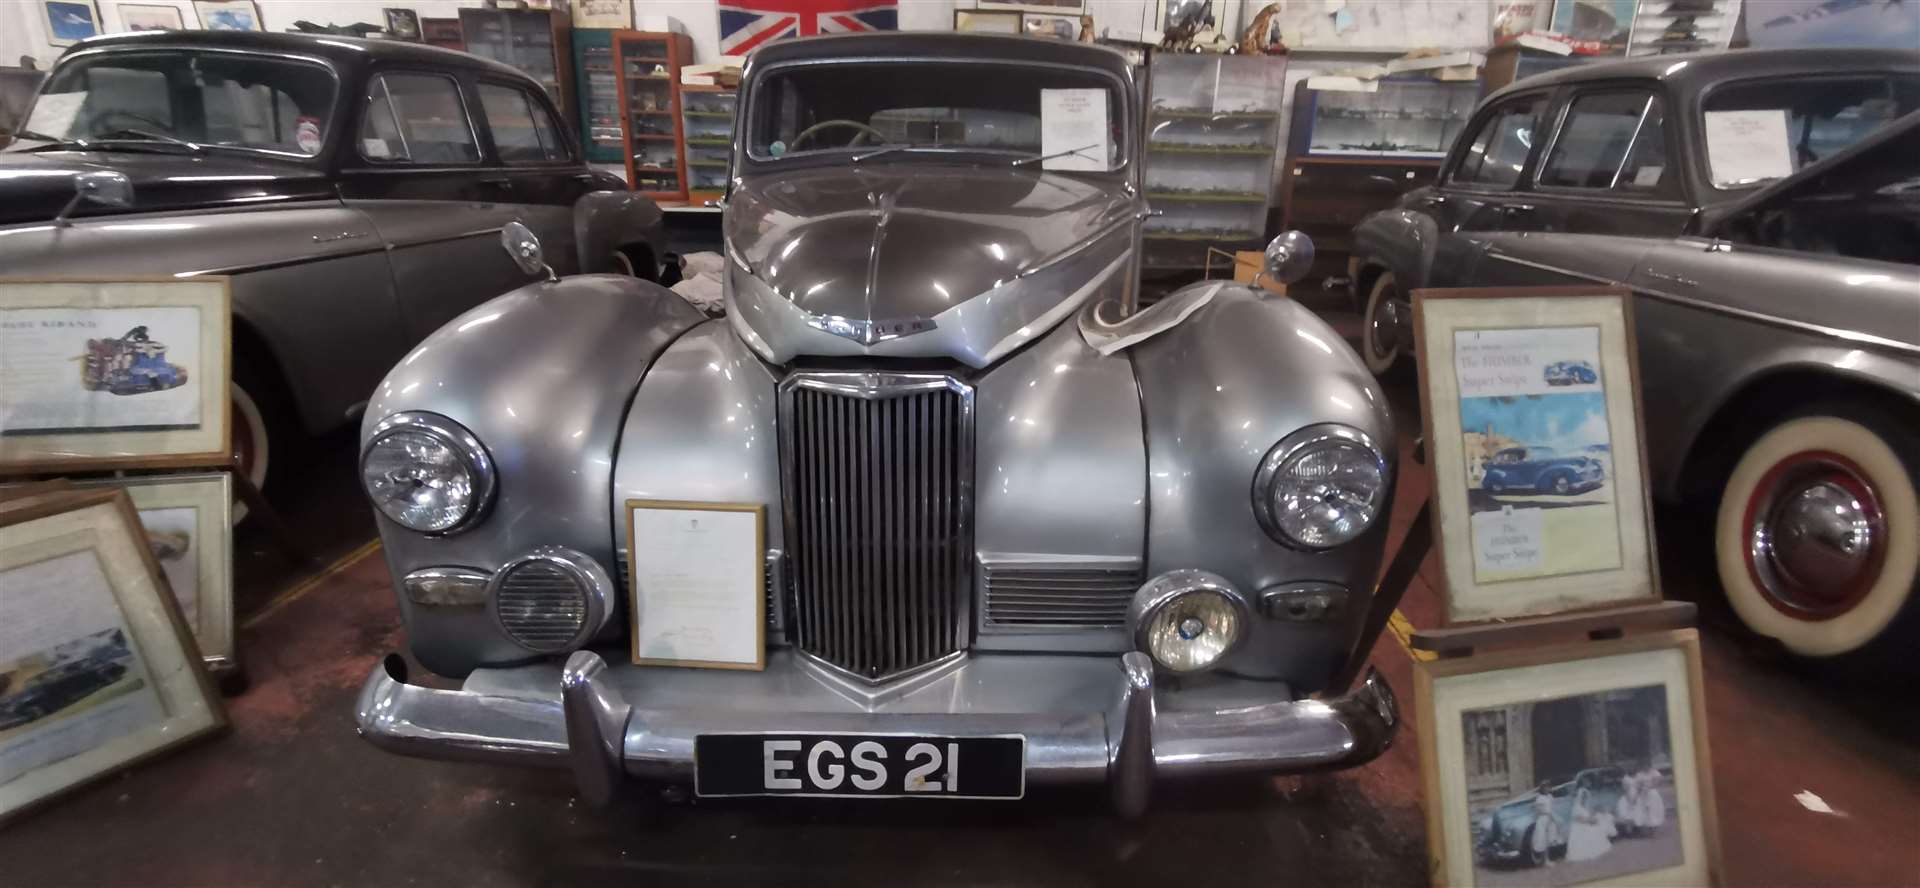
pixel 104 187
pixel 1288 258
pixel 525 249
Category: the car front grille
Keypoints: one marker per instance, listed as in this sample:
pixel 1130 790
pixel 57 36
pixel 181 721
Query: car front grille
pixel 1036 594
pixel 878 477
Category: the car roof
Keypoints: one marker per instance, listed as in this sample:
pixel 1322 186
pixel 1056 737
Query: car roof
pixel 885 45
pixel 1689 73
pixel 344 52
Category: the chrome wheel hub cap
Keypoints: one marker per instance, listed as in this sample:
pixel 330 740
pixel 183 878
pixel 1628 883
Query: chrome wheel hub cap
pixel 1815 536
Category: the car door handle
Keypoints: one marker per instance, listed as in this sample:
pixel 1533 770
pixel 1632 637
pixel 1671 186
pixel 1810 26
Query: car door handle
pixel 582 177
pixel 1516 209
pixel 504 183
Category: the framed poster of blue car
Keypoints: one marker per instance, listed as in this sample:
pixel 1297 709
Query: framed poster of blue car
pixel 1532 411
pixel 113 374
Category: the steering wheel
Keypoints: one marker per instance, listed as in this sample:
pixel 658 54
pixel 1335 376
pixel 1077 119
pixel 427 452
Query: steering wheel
pixel 866 130
pixel 101 117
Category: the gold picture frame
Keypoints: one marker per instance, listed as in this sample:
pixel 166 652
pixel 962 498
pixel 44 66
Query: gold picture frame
pixel 115 373
pixel 639 610
pixel 1530 405
pixel 115 655
pixel 1507 745
pixel 194 549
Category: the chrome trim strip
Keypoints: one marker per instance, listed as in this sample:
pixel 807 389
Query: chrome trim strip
pixel 870 694
pixel 468 587
pixel 441 239
pixel 1130 764
pixel 283 263
pixel 1848 336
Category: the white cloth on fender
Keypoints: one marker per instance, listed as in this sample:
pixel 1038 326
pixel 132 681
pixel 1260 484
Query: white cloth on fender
pixel 700 282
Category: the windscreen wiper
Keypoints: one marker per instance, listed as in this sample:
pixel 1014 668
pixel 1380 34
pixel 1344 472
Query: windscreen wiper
pixel 1027 160
pixel 884 149
pixel 151 136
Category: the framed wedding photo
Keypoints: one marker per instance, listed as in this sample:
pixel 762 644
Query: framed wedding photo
pixel 97 669
pixel 1531 402
pixel 698 583
pixel 189 525
pixel 113 374
pixel 1585 765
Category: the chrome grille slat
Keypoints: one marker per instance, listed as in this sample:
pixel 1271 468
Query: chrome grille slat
pixel 877 474
pixel 1032 593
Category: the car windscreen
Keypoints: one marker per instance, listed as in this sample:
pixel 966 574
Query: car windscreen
pixel 1009 110
pixel 1765 129
pixel 211 99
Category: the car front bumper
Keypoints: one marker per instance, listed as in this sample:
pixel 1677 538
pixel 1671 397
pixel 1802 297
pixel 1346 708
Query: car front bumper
pixel 1085 719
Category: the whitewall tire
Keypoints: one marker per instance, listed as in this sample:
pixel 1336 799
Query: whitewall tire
pixel 622 264
pixel 252 445
pixel 1817 540
pixel 1380 356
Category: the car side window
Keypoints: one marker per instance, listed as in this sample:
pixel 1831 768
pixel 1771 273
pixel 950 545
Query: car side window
pixel 417 119
pixel 522 130
pixel 1611 141
pixel 1499 150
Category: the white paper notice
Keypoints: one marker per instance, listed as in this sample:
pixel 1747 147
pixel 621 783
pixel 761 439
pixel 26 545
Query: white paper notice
pixel 53 113
pixel 1073 129
pixel 696 586
pixel 1748 146
pixel 1509 540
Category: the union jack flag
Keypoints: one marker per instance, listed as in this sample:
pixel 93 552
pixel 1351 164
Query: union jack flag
pixel 746 24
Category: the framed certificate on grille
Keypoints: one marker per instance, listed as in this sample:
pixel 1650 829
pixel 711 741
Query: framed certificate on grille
pixel 697 583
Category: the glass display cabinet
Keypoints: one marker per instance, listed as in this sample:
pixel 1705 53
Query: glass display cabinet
pixel 1212 135
pixel 442 32
pixel 627 110
pixel 1351 153
pixel 532 40
pixel 706 115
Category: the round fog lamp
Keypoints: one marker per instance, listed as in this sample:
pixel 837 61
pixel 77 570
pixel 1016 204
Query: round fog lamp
pixel 1192 630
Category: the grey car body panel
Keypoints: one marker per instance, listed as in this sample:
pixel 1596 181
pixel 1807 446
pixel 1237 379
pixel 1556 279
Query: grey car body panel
pixel 1217 392
pixel 542 376
pixel 605 221
pixel 1060 470
pixel 328 313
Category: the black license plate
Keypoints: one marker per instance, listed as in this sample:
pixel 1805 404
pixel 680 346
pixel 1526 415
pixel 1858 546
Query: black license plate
pixel 859 765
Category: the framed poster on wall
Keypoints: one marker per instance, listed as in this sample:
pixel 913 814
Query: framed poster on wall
pixel 70 21
pixel 149 17
pixel 97 669
pixel 228 15
pixel 114 373
pixel 1532 411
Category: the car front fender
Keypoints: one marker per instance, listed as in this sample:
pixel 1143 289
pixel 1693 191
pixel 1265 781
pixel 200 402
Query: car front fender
pixel 1217 392
pixel 606 221
pixel 1398 240
pixel 542 377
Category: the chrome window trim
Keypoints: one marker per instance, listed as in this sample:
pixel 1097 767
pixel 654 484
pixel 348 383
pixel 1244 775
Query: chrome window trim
pixel 879 386
pixel 1285 450
pixel 462 442
pixel 323 64
pixel 1451 168
pixel 1122 164
pixel 408 165
pixel 536 109
pixel 1653 95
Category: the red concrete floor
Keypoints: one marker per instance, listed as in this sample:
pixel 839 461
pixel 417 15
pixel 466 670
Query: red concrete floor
pixel 292 797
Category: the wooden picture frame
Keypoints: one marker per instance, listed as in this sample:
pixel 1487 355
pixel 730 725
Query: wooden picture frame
pixel 1063 7
pixel 70 21
pixel 649 594
pixel 1536 445
pixel 402 23
pixel 228 15
pixel 989 21
pixel 189 523
pixel 109 678
pixel 114 374
pixel 151 17
pixel 613 15
pixel 1489 778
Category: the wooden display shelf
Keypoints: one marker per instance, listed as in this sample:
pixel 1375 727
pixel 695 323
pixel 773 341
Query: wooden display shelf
pixel 1207 197
pixel 1457 641
pixel 1232 151
pixel 1199 114
pixel 707 88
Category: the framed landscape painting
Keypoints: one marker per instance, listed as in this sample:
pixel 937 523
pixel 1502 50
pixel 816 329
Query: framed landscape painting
pixel 70 21
pixel 1577 765
pixel 1532 412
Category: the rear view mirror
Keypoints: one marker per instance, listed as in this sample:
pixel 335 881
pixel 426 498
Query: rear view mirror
pixel 1288 258
pixel 104 187
pixel 525 249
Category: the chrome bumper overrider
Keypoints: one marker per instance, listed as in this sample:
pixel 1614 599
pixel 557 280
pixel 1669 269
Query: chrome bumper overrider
pixel 605 722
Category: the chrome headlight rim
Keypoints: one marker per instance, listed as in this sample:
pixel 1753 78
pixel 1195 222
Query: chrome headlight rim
pixel 1296 445
pixel 597 586
pixel 464 444
pixel 1173 585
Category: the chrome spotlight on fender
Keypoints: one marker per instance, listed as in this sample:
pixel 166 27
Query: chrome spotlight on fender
pixel 1188 620
pixel 525 249
pixel 1288 258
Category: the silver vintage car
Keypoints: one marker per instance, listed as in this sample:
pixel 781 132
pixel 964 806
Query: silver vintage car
pixel 1012 520
pixel 353 190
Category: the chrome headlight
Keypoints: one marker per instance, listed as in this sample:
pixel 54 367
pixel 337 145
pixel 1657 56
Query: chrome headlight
pixel 1187 620
pixel 1320 487
pixel 426 472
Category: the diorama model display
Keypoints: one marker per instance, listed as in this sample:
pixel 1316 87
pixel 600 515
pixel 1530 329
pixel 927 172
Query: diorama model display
pixel 1759 206
pixel 354 190
pixel 1014 530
